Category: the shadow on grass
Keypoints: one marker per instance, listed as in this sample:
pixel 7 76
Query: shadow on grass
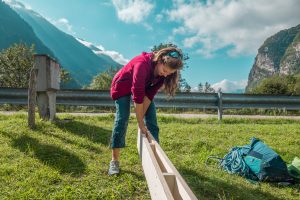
pixel 68 141
pixel 50 155
pixel 211 188
pixel 93 133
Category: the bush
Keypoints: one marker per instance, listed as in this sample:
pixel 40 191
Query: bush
pixel 279 85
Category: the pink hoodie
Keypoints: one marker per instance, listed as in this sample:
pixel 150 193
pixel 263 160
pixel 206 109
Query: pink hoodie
pixel 137 78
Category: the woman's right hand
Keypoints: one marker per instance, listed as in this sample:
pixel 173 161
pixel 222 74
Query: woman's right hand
pixel 144 129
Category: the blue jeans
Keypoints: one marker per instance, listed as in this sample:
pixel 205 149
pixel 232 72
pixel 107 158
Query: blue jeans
pixel 121 121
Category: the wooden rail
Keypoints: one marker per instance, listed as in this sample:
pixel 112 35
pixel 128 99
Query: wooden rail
pixel 164 181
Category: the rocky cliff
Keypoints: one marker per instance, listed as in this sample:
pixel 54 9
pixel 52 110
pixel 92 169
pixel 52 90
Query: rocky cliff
pixel 280 54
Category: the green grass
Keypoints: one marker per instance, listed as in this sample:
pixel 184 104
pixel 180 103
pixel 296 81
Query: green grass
pixel 70 160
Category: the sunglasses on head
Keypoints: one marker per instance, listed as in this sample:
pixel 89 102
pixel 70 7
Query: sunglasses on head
pixel 174 54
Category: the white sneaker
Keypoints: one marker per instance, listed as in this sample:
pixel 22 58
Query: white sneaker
pixel 114 167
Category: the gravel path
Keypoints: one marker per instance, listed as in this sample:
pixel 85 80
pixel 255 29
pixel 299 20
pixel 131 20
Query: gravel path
pixel 175 115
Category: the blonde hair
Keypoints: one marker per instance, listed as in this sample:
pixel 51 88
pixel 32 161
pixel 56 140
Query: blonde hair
pixel 162 56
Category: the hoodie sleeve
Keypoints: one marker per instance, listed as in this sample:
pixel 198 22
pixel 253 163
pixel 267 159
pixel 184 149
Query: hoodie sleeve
pixel 139 82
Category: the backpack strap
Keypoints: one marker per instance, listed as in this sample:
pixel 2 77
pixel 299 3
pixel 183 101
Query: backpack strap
pixel 214 158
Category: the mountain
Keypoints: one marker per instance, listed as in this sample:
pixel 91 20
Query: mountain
pixel 290 62
pixel 13 29
pixel 82 63
pixel 280 54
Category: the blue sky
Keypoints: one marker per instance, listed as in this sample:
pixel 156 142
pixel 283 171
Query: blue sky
pixel 220 36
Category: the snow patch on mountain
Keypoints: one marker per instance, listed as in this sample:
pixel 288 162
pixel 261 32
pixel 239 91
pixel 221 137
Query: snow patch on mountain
pixel 100 50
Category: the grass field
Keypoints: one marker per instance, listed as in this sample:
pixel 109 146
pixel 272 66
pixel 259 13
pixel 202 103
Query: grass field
pixel 70 160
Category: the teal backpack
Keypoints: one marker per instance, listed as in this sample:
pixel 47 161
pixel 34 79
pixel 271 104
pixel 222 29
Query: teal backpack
pixel 257 162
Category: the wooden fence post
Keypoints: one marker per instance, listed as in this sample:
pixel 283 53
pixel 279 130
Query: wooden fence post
pixel 32 97
pixel 48 81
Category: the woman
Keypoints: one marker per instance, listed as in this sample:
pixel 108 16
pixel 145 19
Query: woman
pixel 141 78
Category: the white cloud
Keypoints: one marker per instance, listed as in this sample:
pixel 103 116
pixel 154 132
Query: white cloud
pixel 132 11
pixel 148 26
pixel 105 3
pixel 118 57
pixel 100 47
pixel 239 25
pixel 85 43
pixel 194 89
pixel 17 5
pixel 158 18
pixel 100 50
pixel 179 30
pixel 230 86
pixel 63 24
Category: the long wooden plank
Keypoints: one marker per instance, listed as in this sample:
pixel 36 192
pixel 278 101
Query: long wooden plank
pixel 156 183
pixel 164 181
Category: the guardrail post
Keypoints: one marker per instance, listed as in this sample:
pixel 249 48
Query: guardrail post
pixel 220 105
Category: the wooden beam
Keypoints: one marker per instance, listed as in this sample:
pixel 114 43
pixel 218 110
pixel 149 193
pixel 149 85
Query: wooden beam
pixel 164 181
pixel 32 97
pixel 156 183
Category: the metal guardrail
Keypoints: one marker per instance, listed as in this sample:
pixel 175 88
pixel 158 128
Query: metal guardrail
pixel 217 101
